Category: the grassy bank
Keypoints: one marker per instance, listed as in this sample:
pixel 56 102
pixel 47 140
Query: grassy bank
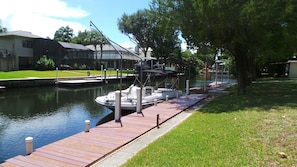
pixel 52 73
pixel 258 129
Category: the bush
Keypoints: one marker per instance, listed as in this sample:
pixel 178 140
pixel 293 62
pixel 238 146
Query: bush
pixel 83 67
pixel 75 66
pixel 45 63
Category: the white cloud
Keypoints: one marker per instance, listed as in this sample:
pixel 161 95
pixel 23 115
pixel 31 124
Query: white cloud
pixel 41 17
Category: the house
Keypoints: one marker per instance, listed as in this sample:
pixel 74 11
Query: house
pixel 16 50
pixel 63 53
pixel 21 50
pixel 113 54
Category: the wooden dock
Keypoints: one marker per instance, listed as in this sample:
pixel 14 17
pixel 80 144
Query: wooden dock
pixel 86 148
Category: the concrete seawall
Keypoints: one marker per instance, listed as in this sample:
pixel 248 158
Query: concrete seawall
pixel 28 82
pixel 32 82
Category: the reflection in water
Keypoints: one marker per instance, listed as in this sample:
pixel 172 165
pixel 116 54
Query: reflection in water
pixel 47 114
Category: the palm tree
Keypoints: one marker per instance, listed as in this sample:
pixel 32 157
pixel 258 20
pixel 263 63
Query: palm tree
pixel 95 39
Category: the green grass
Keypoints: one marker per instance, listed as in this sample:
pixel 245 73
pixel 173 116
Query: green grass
pixel 234 130
pixel 52 73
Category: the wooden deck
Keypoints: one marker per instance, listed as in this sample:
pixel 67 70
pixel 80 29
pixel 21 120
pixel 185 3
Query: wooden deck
pixel 86 148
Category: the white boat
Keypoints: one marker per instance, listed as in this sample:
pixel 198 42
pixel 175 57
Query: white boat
pixel 129 97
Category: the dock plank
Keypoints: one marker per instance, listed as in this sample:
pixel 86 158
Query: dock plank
pixel 85 148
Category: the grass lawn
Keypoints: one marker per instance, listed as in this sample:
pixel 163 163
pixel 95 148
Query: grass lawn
pixel 257 129
pixel 52 73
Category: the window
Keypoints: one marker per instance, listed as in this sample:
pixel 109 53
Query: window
pixel 27 44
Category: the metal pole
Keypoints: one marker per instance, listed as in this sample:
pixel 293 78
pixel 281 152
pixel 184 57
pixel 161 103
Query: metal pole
pixel 121 61
pixel 187 87
pixel 158 118
pixel 205 80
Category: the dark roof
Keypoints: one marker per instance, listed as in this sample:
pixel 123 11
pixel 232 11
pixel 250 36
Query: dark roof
pixel 73 46
pixel 20 34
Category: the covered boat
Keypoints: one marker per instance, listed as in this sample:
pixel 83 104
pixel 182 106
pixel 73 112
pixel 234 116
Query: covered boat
pixel 129 97
pixel 149 94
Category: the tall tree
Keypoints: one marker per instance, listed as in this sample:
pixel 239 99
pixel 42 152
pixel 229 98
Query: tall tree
pixel 2 29
pixel 138 27
pixel 247 29
pixel 81 38
pixel 64 34
pixel 166 42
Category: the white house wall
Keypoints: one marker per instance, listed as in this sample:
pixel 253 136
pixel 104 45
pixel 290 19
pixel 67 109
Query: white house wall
pixel 8 62
pixel 293 69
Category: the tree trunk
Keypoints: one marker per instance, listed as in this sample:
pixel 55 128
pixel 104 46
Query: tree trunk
pixel 241 61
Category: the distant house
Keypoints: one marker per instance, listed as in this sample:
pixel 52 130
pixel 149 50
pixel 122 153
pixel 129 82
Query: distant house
pixel 63 53
pixel 292 68
pixel 112 54
pixel 16 50
pixel 21 50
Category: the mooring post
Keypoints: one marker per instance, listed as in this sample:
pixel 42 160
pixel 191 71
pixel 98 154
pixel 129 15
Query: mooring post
pixel 87 125
pixel 104 74
pixel 29 145
pixel 187 87
pixel 117 112
pixel 155 102
pixel 57 74
pixel 158 118
pixel 139 100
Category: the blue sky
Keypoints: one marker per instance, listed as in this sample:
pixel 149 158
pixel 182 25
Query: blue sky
pixel 44 17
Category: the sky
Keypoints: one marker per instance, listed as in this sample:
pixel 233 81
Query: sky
pixel 45 17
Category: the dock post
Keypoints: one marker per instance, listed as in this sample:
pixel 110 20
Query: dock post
pixel 104 74
pixel 139 100
pixel 29 145
pixel 158 118
pixel 57 74
pixel 87 124
pixel 187 87
pixel 117 112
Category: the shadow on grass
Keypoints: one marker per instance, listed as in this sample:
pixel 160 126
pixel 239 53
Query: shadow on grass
pixel 261 96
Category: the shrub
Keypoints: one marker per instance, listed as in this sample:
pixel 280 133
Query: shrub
pixel 75 66
pixel 83 66
pixel 45 63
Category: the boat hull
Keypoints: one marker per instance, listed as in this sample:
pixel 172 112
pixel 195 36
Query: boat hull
pixel 129 101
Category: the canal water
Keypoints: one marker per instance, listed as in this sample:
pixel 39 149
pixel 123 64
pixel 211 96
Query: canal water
pixel 49 114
